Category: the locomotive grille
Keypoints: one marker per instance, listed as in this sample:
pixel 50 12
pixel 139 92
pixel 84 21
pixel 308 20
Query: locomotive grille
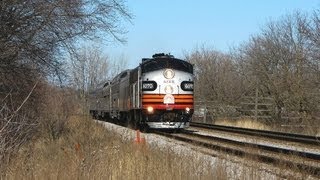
pixel 157 101
pixel 169 116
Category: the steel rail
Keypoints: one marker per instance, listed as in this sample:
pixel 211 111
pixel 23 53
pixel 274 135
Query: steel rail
pixel 241 150
pixel 305 139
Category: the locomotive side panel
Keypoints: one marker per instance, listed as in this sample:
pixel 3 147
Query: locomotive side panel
pixel 120 96
pixel 93 103
pixel 124 95
pixel 106 99
pixel 134 89
pixel 98 101
pixel 114 109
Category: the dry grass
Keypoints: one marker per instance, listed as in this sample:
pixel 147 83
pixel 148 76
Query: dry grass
pixel 88 151
pixel 305 127
pixel 243 123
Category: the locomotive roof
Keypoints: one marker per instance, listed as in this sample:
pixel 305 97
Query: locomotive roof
pixel 165 61
pixel 120 75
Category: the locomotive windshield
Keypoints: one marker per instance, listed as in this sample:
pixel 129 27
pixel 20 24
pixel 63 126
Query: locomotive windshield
pixel 162 63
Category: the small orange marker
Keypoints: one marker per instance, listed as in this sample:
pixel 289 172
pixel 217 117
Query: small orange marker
pixel 77 147
pixel 138 138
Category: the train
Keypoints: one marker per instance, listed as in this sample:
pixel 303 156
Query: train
pixel 157 94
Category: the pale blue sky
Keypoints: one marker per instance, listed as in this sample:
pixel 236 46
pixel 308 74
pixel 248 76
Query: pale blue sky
pixel 178 26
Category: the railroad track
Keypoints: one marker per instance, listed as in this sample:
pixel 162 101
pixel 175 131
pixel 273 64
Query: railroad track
pixel 304 139
pixel 276 156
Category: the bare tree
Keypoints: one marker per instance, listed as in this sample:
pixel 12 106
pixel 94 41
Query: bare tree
pixel 218 85
pixel 89 68
pixel 15 127
pixel 117 65
pixel 34 36
pixel 33 33
pixel 217 76
pixel 278 61
pixel 310 30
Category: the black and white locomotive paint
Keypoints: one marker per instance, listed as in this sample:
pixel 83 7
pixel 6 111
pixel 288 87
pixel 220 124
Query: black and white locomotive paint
pixel 157 94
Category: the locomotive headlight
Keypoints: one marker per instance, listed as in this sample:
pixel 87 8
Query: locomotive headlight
pixel 187 110
pixel 150 109
pixel 187 85
pixel 168 99
pixel 168 89
pixel 168 73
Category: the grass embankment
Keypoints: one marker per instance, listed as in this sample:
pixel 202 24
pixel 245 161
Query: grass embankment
pixel 86 150
pixel 310 129
pixel 243 123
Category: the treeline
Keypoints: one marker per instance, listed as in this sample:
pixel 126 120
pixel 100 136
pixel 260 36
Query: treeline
pixel 35 39
pixel 281 63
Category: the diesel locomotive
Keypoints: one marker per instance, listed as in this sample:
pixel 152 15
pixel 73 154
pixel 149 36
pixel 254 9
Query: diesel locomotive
pixel 157 94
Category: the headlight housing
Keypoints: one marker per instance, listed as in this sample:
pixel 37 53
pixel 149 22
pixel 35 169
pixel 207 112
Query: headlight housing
pixel 187 110
pixel 149 85
pixel 187 85
pixel 150 109
pixel 168 89
pixel 168 73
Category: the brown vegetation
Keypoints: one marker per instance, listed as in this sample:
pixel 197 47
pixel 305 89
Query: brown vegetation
pixel 86 150
pixel 274 77
pixel 243 123
pixel 33 36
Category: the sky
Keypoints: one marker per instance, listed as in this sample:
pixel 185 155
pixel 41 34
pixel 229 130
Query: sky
pixel 180 26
